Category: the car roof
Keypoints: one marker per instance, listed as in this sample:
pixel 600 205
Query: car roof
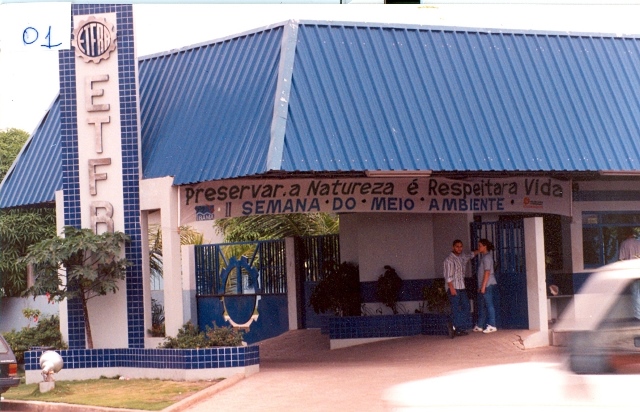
pixel 4 347
pixel 599 293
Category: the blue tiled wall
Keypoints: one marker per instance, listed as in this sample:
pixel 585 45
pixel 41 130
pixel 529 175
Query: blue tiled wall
pixel 70 177
pixel 205 358
pixel 131 174
pixel 379 326
pixel 130 171
pixel 386 326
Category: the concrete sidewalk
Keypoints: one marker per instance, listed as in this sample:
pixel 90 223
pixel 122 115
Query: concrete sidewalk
pixel 298 371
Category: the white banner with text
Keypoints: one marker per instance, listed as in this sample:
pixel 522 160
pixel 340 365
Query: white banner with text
pixel 233 198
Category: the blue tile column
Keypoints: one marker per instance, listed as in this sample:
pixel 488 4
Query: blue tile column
pixel 131 173
pixel 70 177
pixel 131 169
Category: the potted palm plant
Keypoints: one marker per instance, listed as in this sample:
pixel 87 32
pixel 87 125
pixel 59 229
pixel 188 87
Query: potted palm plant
pixel 388 288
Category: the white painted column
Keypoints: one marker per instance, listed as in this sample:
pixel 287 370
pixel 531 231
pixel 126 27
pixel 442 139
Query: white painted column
pixel 160 194
pixel 292 285
pixel 62 307
pixel 536 283
pixel 171 263
pixel 146 278
pixel 190 309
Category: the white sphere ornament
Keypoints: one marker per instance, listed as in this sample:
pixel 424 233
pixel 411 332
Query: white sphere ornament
pixel 50 363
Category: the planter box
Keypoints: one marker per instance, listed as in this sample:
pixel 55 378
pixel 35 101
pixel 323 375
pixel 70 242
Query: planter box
pixel 324 323
pixel 173 364
pixel 362 329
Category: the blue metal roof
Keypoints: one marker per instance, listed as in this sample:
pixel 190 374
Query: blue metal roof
pixel 206 111
pixel 370 97
pixel 329 97
pixel 34 179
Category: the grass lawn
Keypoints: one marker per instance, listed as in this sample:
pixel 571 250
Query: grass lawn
pixel 144 394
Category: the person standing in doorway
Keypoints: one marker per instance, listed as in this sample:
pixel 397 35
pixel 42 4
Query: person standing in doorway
pixel 454 270
pixel 487 286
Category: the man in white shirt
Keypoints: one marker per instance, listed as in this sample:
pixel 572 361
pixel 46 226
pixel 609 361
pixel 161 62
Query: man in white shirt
pixel 630 246
pixel 454 270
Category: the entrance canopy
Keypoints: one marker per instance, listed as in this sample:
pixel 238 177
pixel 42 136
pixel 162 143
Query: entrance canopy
pixel 306 98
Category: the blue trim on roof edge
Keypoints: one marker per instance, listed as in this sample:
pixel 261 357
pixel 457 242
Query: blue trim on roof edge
pixel 281 100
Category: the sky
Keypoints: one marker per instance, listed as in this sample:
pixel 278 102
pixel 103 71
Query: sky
pixel 29 79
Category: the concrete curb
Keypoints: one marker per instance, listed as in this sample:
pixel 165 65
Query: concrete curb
pixel 204 394
pixel 37 406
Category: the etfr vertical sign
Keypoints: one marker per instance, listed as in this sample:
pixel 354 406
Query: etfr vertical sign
pixel 99 143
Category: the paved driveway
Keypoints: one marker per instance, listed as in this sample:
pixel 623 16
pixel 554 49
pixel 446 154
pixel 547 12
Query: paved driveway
pixel 299 372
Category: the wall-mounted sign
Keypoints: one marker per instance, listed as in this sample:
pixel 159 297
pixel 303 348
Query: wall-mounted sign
pixel 233 198
pixel 99 129
pixel 94 39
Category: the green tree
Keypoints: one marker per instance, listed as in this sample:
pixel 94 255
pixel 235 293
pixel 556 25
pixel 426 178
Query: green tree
pixel 266 227
pixel 188 236
pixel 11 141
pixel 19 228
pixel 94 266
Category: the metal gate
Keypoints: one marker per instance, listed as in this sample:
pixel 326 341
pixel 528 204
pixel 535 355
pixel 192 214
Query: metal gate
pixel 312 254
pixel 508 238
pixel 243 285
pixel 239 276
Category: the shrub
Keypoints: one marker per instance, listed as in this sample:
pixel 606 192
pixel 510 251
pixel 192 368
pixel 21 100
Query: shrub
pixel 46 333
pixel 339 290
pixel 224 336
pixel 435 295
pixel 190 337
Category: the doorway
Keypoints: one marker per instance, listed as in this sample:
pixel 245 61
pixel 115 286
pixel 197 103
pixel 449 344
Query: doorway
pixel 510 270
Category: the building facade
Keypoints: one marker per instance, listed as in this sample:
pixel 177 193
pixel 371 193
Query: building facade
pixel 414 135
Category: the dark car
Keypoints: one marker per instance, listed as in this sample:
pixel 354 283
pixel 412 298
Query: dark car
pixel 8 367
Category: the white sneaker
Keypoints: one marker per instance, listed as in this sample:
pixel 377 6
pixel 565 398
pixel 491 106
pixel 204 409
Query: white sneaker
pixel 477 328
pixel 490 329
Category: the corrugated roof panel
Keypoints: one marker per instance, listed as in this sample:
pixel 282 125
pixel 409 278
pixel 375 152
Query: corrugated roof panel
pixel 410 98
pixel 374 97
pixel 210 107
pixel 37 172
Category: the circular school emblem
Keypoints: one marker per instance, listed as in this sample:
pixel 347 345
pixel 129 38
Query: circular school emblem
pixel 94 39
